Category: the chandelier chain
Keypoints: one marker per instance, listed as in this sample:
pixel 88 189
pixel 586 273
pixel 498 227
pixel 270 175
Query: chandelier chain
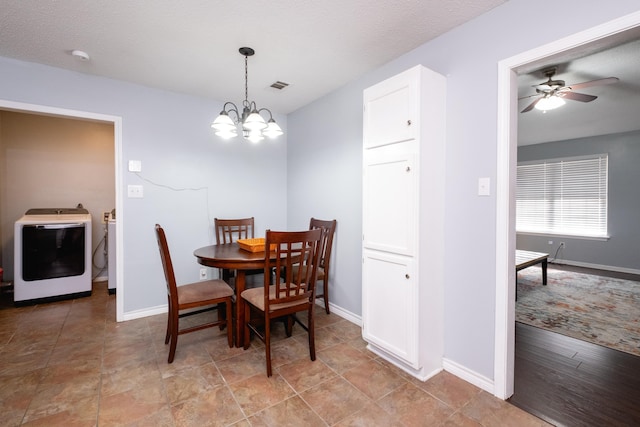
pixel 246 78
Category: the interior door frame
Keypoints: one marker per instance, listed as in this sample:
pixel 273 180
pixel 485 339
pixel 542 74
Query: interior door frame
pixel 117 137
pixel 503 381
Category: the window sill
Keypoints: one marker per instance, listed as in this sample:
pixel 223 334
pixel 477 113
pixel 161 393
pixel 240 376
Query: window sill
pixel 568 236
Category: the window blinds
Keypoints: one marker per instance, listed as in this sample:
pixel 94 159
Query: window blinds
pixel 563 196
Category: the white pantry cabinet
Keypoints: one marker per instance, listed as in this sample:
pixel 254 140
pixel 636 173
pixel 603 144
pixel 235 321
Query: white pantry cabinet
pixel 403 220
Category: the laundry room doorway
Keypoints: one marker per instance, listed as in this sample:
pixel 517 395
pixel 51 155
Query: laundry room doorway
pixel 59 158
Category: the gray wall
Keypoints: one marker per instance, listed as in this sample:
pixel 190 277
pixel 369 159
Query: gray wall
pixel 468 57
pixel 621 250
pixel 321 164
pixel 171 134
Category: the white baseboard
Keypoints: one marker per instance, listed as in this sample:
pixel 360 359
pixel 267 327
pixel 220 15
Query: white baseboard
pixel 341 312
pixel 152 311
pixel 597 266
pixel 469 376
pixel 138 314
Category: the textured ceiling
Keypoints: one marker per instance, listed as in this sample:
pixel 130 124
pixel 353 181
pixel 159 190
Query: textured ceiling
pixel 191 46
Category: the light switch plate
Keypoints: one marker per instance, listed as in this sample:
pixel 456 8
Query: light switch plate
pixel 135 191
pixel 135 166
pixel 484 186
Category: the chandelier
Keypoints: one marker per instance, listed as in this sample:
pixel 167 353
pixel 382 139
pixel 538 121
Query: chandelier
pixel 250 121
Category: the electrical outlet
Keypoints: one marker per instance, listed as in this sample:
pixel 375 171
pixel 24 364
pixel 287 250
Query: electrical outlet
pixel 105 216
pixel 203 274
pixel 562 245
pixel 551 242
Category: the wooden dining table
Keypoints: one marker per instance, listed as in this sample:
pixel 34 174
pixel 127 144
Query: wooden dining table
pixel 231 257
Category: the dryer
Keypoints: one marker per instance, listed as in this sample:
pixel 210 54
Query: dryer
pixel 52 253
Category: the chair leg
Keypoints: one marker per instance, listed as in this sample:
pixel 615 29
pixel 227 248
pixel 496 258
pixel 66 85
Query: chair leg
pixel 325 295
pixel 222 315
pixel 174 337
pixel 168 335
pixel 229 321
pixel 267 343
pixel 312 334
pixel 247 319
pixel 289 321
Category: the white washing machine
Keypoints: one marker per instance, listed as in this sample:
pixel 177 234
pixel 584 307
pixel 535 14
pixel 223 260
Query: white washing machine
pixel 52 255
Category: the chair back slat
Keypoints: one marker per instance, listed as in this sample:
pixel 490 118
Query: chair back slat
pixel 328 230
pixel 301 248
pixel 230 230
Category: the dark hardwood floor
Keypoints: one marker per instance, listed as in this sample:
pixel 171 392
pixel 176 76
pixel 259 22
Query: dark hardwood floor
pixel 568 382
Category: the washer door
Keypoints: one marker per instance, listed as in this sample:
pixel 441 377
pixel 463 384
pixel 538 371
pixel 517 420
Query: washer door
pixel 52 250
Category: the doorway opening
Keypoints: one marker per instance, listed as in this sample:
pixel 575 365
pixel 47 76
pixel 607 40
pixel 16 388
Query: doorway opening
pixel 611 33
pixel 116 123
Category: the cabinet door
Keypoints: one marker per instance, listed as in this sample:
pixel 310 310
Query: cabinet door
pixel 391 110
pixel 390 300
pixel 389 201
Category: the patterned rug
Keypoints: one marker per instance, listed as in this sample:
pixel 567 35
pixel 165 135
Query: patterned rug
pixel 601 310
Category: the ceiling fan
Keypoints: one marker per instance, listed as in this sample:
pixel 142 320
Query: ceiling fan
pixel 556 90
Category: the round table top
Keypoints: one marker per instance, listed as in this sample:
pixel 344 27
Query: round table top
pixel 229 256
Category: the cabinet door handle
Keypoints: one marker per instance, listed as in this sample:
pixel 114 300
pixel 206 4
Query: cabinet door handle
pixel 408 122
pixel 408 169
pixel 406 276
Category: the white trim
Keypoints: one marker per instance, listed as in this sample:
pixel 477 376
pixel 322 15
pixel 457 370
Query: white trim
pixel 341 312
pixel 596 266
pixel 139 314
pixel 505 186
pixel 469 376
pixel 117 136
pixel 568 236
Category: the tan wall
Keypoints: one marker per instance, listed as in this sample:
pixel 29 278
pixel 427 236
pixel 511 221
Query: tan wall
pixel 54 162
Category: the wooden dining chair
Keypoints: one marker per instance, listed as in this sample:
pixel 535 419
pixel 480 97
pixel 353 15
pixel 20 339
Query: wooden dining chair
pixel 190 299
pixel 229 231
pixel 328 228
pixel 291 294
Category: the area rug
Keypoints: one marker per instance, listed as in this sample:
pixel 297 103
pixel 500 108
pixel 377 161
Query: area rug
pixel 600 310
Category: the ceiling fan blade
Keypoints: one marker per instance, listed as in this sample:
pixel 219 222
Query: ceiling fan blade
pixel 530 106
pixel 597 82
pixel 577 96
pixel 528 96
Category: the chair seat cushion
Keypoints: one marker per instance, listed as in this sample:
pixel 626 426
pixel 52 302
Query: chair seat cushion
pixel 255 297
pixel 202 291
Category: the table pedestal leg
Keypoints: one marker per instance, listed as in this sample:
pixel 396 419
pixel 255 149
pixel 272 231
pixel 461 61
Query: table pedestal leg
pixel 240 283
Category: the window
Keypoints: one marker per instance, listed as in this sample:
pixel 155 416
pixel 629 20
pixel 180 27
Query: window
pixel 563 196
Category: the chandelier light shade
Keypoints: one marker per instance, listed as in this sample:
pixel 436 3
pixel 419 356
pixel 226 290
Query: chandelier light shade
pixel 249 121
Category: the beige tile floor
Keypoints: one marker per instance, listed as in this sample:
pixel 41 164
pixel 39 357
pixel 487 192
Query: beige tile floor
pixel 70 364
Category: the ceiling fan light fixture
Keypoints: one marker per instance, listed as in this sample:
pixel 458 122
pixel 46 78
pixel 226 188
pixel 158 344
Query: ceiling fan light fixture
pixel 250 122
pixel 549 103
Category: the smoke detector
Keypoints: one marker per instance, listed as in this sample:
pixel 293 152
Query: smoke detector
pixel 80 54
